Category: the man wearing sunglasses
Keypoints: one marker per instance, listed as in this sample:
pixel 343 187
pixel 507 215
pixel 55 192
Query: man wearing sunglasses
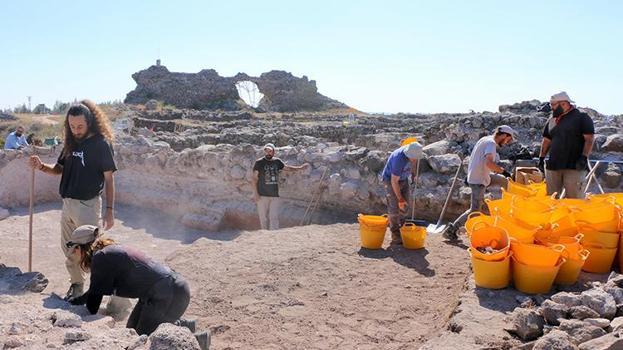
pixel 568 137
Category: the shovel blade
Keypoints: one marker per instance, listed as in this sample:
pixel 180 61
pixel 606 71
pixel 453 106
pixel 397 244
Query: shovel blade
pixel 435 229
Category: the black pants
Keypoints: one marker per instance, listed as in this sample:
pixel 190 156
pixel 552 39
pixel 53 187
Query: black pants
pixel 166 303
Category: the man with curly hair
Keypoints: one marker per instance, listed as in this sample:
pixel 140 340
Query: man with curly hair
pixel 86 167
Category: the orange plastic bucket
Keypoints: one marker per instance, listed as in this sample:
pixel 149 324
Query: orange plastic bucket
pixel 413 236
pixel 595 236
pixel 570 270
pixel 491 274
pixel 600 259
pixel 536 254
pixel 485 235
pixel 534 279
pixel 539 187
pixel 572 245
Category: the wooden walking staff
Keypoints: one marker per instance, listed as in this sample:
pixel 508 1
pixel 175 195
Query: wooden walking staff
pixel 32 201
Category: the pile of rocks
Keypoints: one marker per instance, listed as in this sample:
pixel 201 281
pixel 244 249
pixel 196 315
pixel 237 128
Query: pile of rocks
pixel 590 320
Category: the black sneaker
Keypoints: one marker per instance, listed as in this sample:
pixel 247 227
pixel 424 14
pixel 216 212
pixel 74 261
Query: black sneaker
pixel 203 339
pixel 74 291
pixel 450 233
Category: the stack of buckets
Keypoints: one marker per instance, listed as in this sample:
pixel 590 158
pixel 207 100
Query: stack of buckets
pixel 536 241
pixel 372 230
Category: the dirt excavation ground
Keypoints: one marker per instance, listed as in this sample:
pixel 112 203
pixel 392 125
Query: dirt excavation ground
pixel 307 287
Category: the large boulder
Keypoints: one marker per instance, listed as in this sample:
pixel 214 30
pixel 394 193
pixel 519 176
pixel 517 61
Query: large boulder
pixel 579 331
pixel 567 299
pixel 445 163
pixel 612 177
pixel 555 340
pixel 609 341
pixel 170 337
pixel 601 302
pixel 614 143
pixel 437 148
pixel 527 324
pixel 552 312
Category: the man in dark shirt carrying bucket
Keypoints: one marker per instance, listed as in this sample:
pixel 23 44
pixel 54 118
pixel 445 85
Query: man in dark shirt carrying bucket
pixel 266 186
pixel 568 137
pixel 86 167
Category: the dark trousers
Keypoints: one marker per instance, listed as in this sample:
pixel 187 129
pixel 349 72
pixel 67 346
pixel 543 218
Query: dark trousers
pixel 396 219
pixel 166 303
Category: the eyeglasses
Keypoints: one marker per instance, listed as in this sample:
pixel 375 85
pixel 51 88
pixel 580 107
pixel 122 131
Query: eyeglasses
pixel 70 245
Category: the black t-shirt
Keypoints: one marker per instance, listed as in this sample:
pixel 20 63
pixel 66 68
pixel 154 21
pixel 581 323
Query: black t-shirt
pixel 567 139
pixel 83 170
pixel 268 180
pixel 124 271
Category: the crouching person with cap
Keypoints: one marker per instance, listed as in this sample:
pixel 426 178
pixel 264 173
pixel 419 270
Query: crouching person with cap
pixel 401 164
pixel 483 172
pixel 163 295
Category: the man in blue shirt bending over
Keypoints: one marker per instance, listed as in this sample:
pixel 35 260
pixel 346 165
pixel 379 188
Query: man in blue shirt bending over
pixel 401 163
pixel 16 140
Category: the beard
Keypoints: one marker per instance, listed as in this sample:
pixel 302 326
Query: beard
pixel 558 111
pixel 268 157
pixel 18 134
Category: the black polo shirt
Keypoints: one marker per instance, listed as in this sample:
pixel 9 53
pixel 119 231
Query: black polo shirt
pixel 567 139
pixel 83 169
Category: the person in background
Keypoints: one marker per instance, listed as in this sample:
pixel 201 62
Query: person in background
pixel 401 164
pixel 483 172
pixel 16 140
pixel 568 138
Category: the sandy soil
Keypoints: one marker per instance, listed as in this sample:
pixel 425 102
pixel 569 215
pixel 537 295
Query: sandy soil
pixel 310 287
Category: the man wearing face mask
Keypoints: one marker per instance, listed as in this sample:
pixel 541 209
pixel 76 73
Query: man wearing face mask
pixel 266 186
pixel 16 140
pixel 568 137
pixel 483 172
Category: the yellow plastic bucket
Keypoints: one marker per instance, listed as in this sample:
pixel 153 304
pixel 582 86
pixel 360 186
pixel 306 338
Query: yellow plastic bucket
pixel 516 230
pixel 530 211
pixel 570 270
pixel 489 236
pixel 563 224
pixel 600 259
pixel 408 140
pixel 372 230
pixel 520 189
pixel 536 254
pixel 620 252
pixel 540 188
pixel 595 236
pixel 534 279
pixel 572 245
pixel 491 274
pixel 475 218
pixel 603 216
pixel 413 236
pixel 617 197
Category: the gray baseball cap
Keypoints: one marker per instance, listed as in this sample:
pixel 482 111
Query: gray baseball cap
pixel 83 235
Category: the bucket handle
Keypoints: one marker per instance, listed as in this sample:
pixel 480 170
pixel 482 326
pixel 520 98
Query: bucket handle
pixel 579 237
pixel 584 253
pixel 474 228
pixel 475 214
pixel 559 248
pixel 565 254
pixel 408 224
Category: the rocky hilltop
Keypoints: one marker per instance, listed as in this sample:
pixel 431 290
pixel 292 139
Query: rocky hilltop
pixel 283 92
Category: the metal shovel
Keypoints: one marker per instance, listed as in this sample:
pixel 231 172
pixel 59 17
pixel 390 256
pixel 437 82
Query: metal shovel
pixel 439 228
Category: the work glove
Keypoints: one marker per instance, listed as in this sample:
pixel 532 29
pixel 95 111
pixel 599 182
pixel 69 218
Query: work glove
pixel 582 163
pixel 541 165
pixel 506 173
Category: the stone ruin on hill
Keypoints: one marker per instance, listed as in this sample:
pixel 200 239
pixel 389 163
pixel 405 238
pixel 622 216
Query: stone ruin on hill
pixel 283 92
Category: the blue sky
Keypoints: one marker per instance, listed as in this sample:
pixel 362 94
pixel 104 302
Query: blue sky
pixel 377 56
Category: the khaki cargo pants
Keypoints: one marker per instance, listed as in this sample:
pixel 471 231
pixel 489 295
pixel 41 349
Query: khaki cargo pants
pixel 77 213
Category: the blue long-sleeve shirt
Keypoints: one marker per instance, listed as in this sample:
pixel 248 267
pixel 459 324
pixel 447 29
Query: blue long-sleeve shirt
pixel 15 142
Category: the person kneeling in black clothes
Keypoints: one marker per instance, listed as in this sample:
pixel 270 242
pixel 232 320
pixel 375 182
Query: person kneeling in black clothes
pixel 163 295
